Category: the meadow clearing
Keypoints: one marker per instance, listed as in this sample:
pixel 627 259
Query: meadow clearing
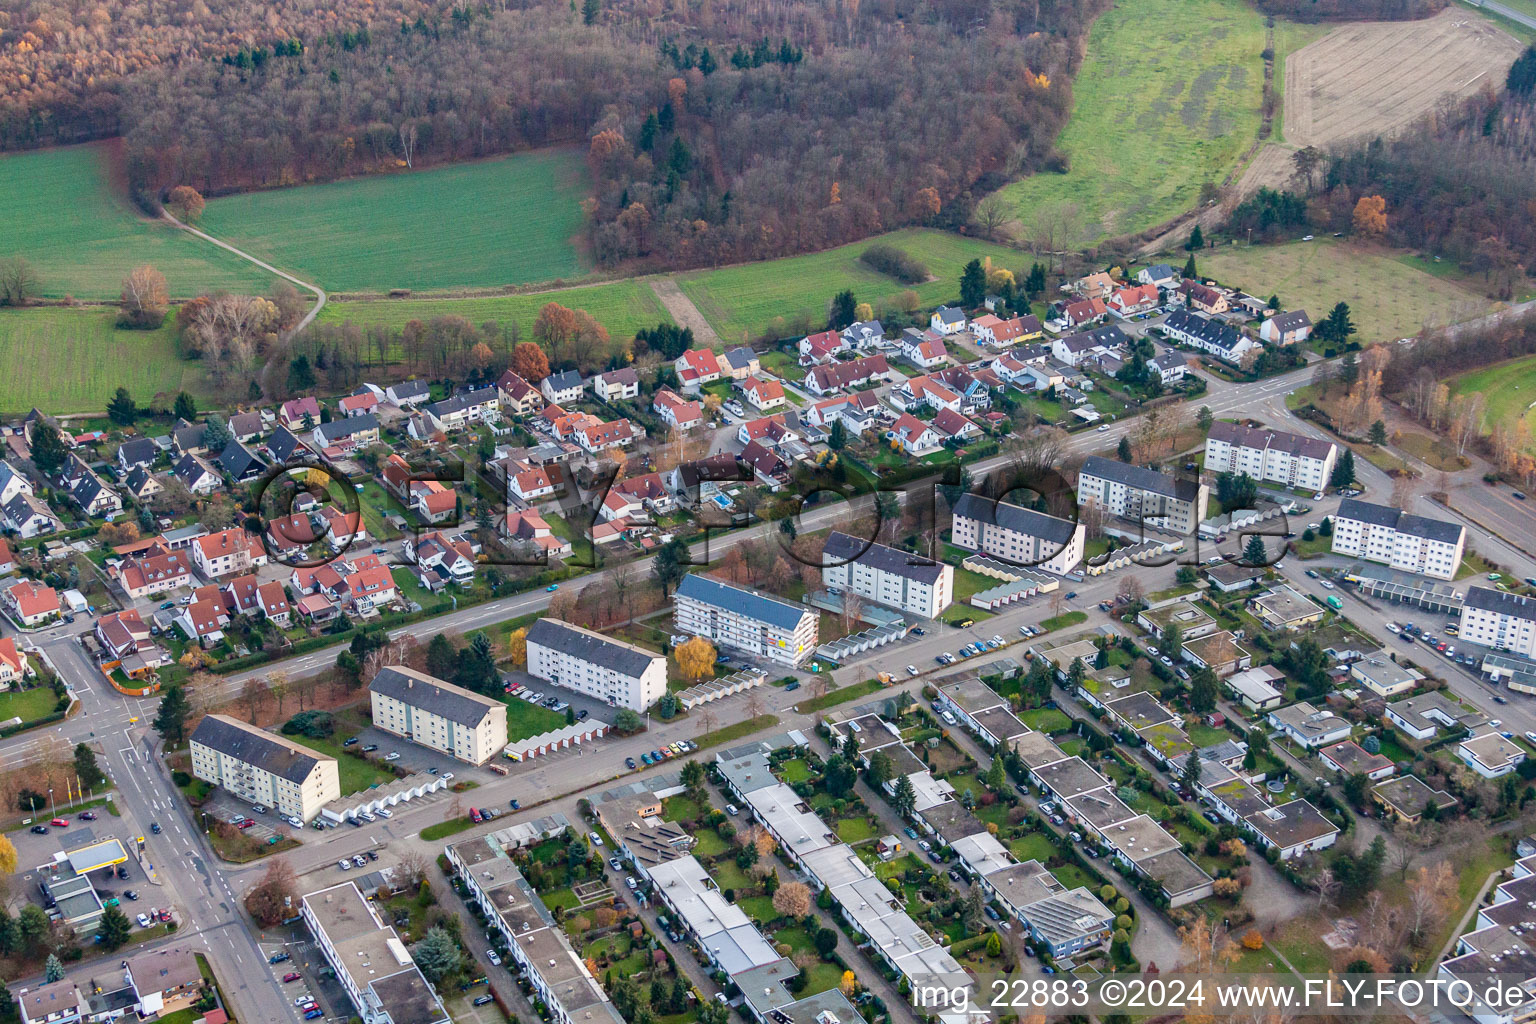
pixel 1388 297
pixel 743 302
pixel 1508 390
pixel 513 220
pixel 621 306
pixel 70 360
pixel 61 213
pixel 1168 98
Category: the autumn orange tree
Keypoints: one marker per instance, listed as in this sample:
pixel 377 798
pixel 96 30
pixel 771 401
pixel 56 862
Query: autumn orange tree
pixel 1371 216
pixel 529 362
pixel 186 203
pixel 696 659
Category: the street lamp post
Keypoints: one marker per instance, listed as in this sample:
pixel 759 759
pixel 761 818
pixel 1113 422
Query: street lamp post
pixel 51 805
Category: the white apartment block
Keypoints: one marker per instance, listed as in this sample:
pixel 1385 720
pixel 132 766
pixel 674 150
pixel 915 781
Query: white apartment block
pixel 1141 494
pixel 622 674
pixel 1377 533
pixel 439 715
pixel 264 769
pixel 1017 534
pixel 1290 460
pixel 745 621
pixel 887 576
pixel 1491 618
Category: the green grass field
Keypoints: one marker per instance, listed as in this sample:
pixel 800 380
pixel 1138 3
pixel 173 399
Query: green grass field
pixel 1167 99
pixel 484 224
pixel 61 213
pixel 357 774
pixel 1387 299
pixel 1508 390
pixel 525 719
pixel 745 301
pixel 70 360
pixel 622 306
pixel 27 705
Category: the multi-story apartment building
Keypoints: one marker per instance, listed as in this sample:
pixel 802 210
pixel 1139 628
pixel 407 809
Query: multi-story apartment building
pixel 622 674
pixel 1017 534
pixel 369 958
pixel 1492 618
pixel 265 769
pixel 1138 493
pixel 1378 533
pixel 1290 460
pixel 439 715
pixel 885 575
pixel 745 620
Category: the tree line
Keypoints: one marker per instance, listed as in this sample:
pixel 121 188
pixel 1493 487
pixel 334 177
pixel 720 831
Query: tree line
pixel 855 121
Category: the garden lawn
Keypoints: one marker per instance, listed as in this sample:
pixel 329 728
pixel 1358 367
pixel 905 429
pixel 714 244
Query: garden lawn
pixel 1046 720
pixel 357 774
pixel 758 908
pixel 623 307
pixel 489 223
pixel 681 808
pixel 1387 300
pixel 62 214
pixel 855 830
pixel 774 297
pixel 71 360
pixel 707 843
pixel 27 705
pixel 1167 99
pixel 795 770
pixel 841 695
pixel 1034 846
pixel 525 719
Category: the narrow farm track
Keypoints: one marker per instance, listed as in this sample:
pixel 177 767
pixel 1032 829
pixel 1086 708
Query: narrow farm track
pixel 269 268
pixel 685 312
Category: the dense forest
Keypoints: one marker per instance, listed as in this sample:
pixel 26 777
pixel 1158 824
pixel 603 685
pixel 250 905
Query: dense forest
pixel 1351 10
pixel 714 132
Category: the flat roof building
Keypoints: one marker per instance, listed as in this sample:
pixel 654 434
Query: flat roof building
pixel 369 958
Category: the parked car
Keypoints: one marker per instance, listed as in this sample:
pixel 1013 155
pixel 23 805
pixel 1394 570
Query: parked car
pixel 154 828
pixel 393 755
pixel 482 1000
pixel 493 957
pixel 39 830
pixel 143 920
pixel 291 976
pixel 597 840
pixel 370 748
pixel 277 958
pixel 629 763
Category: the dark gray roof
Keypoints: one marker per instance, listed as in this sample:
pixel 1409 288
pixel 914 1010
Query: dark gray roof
pixel 843 548
pixel 140 450
pixel 189 469
pixel 625 375
pixel 1211 332
pixel 565 380
pixel 1168 360
pixel 1497 601
pixel 950 314
pixel 463 400
pixel 623 658
pixel 1415 526
pixel 1139 478
pixel 738 599
pixel 348 426
pixel 1160 271
pixel 245 423
pixel 189 435
pixel 1278 440
pixel 740 357
pixel 137 479
pixel 1291 321
pixel 411 388
pixel 239 461
pixel 1016 518
pixel 283 444
pixel 432 695
pixel 253 746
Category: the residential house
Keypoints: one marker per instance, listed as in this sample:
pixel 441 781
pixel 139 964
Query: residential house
pixel 531 483
pixel 348 434
pixel 518 397
pixel 240 463
pixel 999 333
pixel 29 517
pixel 770 431
pixel 1309 727
pixel 189 439
pixel 766 465
pixel 819 349
pixel 531 530
pixel 440 559
pixel 563 388
pixel 763 394
pixel 272 601
pixel 89 491
pixel 197 475
pixel 30 603
pixel 1221 340
pixel 205 618
pixel 947 320
pixel 227 552
pixel 697 367
pixel 857 412
pixel 140 451
pixel 864 335
pixel 1095 286
pixel 928 391
pixel 1074 349
pixel 923 351
pixel 1161 275
pixel 1348 758
pixel 1076 314
pixel 408 393
pixel 1286 328
pixel 463 410
pixel 154 572
pixel 7 558
pixel 678 413
pixel 141 484
pixel 284 445
pixel 1490 754
pixel 14 666
pixel 952 426
pixel 433 502
pixel 824 380
pixel 1171 366
pixel 361 402
pixel 1204 298
pixel 916 437
pixel 619 385
pixel 1130 301
pixel 292 414
pixel 603 436
pixel 740 363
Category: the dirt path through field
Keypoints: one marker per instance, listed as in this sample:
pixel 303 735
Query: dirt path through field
pixel 319 293
pixel 684 311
